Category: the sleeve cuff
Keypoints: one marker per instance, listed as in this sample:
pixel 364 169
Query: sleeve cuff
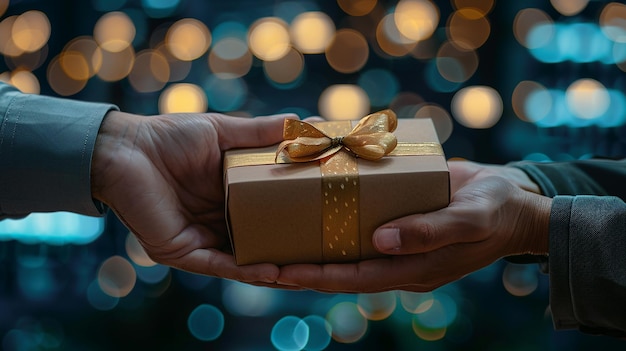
pixel 46 146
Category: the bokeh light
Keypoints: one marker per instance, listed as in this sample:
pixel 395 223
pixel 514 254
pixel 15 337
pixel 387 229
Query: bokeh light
pixel 290 333
pixel 454 64
pixel 188 39
pixel 114 31
pixel 100 300
pixel 150 71
pixel 477 106
pixel 357 7
pixel 311 32
pixel 468 29
pixel 25 81
pixel 376 306
pixel 31 31
pixel 348 51
pixel 520 280
pixel 116 276
pixel 347 323
pixel 136 252
pixel 414 302
pixel 269 39
pixel 248 300
pixel 522 101
pixel 380 85
pixel 587 98
pixel 343 102
pixel 569 7
pixel 441 120
pixel 181 98
pixel 524 24
pixel 286 69
pixel 116 65
pixel 320 333
pixel 613 21
pixel 225 93
pixel 206 322
pixel 416 19
pixel 230 58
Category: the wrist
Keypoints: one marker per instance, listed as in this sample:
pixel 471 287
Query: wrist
pixel 114 136
pixel 531 232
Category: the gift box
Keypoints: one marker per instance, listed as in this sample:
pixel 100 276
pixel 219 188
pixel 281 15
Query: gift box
pixel 325 207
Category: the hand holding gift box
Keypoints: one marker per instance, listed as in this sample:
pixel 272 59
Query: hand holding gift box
pixel 318 196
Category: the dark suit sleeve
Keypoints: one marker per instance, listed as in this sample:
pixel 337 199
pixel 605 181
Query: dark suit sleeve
pixel 46 145
pixel 587 258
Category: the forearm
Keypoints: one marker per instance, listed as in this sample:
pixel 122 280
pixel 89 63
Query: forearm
pixel 46 145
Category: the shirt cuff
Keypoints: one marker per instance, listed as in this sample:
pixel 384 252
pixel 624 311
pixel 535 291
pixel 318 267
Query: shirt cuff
pixel 46 147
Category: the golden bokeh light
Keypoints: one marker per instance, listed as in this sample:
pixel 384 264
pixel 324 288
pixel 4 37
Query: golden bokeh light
pixel 28 60
pixel 343 102
pixel 569 7
pixel 25 81
pixel 116 276
pixel 468 29
pixel 285 70
pixel 613 21
pixel 60 81
pixel 415 303
pixel 376 306
pixel 75 65
pixel 348 51
pixel 311 32
pixel 455 64
pixel 416 19
pixel 481 7
pixel 91 56
pixel 4 5
pixel 477 107
pixel 179 69
pixel 7 45
pixel 150 72
pixel 441 120
pixel 181 98
pixel 116 65
pixel 587 98
pixel 390 40
pixel 428 334
pixel 269 39
pixel 357 7
pixel 527 19
pixel 136 252
pixel 522 92
pixel 31 31
pixel 188 39
pixel 114 31
pixel 230 57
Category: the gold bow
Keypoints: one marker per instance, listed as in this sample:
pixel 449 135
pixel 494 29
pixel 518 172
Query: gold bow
pixel 371 139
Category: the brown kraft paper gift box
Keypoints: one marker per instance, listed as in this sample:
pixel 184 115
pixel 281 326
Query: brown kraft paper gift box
pixel 286 213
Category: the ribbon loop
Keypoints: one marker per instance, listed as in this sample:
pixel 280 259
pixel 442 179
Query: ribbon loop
pixel 371 139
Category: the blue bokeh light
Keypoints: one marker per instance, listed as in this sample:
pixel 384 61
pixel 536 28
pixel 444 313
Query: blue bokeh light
pixel 206 322
pixel 98 299
pixel 57 228
pixel 160 8
pixel 320 333
pixel 380 85
pixel 225 94
pixel 290 333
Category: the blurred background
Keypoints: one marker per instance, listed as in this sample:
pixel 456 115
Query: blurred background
pixel 502 80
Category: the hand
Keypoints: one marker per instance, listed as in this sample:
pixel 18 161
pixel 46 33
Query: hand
pixel 489 217
pixel 465 172
pixel 162 176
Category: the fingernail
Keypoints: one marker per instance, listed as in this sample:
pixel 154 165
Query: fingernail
pixel 387 239
pixel 286 283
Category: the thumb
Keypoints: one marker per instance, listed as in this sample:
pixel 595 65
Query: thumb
pixel 424 232
pixel 251 132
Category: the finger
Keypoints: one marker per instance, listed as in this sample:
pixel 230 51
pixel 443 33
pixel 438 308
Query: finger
pixel 425 232
pixel 365 276
pixel 251 132
pixel 219 264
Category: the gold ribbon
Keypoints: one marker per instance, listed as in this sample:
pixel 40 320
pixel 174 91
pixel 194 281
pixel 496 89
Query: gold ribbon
pixel 371 139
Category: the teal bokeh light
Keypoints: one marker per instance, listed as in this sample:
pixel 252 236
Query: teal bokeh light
pixel 436 81
pixel 440 315
pixel 230 29
pixel 225 94
pixel 58 228
pixel 380 85
pixel 153 274
pixel 290 334
pixel 206 322
pixel 108 5
pixel 160 8
pixel 98 299
pixel 320 333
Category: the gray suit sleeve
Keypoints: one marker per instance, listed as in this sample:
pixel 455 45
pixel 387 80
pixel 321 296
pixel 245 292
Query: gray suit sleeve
pixel 46 145
pixel 588 264
pixel 587 258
